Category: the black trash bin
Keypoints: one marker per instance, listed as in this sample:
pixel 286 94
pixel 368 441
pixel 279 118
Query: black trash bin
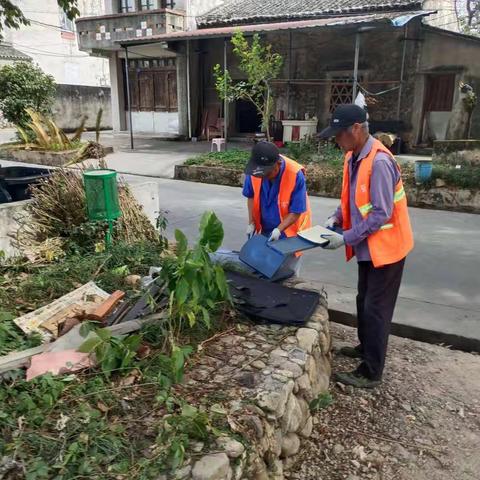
pixel 15 182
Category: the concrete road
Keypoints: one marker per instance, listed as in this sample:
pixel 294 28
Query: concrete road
pixel 441 286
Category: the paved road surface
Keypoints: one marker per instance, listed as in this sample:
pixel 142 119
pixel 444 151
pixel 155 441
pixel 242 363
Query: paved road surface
pixel 441 287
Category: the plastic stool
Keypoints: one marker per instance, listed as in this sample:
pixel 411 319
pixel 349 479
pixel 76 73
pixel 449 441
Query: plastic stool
pixel 217 143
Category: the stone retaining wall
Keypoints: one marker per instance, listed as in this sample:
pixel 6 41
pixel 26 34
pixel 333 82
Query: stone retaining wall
pixel 438 198
pixel 266 375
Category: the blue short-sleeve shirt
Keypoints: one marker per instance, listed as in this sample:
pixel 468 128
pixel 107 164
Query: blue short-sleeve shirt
pixel 269 211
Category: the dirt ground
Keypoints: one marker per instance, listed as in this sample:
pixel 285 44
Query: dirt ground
pixel 422 423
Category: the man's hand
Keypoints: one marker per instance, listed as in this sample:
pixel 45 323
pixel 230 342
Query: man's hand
pixel 250 230
pixel 275 235
pixel 334 241
pixel 331 222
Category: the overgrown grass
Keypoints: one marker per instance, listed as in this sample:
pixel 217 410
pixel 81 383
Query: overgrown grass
pixel 232 158
pixel 125 419
pixel 464 177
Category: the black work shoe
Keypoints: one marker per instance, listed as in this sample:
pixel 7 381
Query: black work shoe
pixel 356 380
pixel 352 352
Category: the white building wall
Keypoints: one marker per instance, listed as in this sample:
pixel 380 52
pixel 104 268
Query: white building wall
pixel 55 50
pixel 445 18
pixel 195 8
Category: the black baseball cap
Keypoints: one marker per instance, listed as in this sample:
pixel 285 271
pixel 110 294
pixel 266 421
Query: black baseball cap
pixel 263 158
pixel 344 116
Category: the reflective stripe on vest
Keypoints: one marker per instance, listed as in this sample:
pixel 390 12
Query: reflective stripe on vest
pixel 394 240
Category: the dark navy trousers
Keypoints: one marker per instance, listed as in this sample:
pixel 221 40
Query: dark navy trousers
pixel 377 294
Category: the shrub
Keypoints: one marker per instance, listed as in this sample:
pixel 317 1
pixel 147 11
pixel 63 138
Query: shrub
pixel 23 86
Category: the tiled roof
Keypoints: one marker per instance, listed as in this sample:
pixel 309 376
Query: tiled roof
pixel 242 11
pixel 7 52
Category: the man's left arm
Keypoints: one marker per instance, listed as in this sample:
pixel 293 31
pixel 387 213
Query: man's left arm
pixel 382 189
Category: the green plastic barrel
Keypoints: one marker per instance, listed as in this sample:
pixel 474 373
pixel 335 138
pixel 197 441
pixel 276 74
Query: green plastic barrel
pixel 102 195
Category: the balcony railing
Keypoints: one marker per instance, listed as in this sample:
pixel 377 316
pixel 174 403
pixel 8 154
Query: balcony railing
pixel 102 33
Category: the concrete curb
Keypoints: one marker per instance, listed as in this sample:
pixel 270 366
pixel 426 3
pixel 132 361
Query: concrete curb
pixel 438 198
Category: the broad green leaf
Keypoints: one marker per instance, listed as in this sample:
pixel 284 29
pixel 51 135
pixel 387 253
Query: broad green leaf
pixel 181 291
pixel 211 231
pixel 182 243
pixel 221 281
pixel 191 319
pixel 104 333
pixel 90 344
pixel 189 410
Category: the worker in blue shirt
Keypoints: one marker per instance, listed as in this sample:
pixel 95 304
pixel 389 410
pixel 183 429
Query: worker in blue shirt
pixel 275 187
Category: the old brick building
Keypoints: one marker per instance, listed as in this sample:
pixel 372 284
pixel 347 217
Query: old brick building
pixel 408 68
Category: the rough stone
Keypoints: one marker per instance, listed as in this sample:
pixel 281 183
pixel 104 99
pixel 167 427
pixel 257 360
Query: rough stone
pixel 307 338
pixel 290 445
pixel 324 343
pixel 237 360
pixel 249 345
pixel 255 353
pixel 254 423
pixel 212 467
pixel 306 431
pixel 276 400
pixel 297 354
pixel 183 473
pixel 232 340
pixel 233 448
pixel 293 416
pixel 259 364
pixel 278 376
pixel 294 369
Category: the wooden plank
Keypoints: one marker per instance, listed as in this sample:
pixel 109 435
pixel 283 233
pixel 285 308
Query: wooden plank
pixel 107 306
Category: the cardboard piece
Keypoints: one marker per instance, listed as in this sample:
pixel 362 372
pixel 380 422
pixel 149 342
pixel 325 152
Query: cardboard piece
pixel 85 297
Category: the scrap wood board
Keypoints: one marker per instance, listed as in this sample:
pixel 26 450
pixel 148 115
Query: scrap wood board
pixel 45 320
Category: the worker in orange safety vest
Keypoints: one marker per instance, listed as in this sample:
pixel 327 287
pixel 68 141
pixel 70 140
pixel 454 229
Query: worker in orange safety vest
pixel 373 215
pixel 278 204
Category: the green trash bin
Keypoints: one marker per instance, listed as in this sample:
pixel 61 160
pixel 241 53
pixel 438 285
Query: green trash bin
pixel 101 193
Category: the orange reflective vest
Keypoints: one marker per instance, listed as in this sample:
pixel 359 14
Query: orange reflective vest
pixel 287 185
pixel 394 240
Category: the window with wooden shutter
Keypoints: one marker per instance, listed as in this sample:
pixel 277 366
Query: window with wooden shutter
pixel 132 76
pixel 145 91
pixel 153 85
pixel 161 93
pixel 172 91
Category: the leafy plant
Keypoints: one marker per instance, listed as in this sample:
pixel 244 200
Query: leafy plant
pixel 41 133
pixel 261 66
pixel 324 400
pixel 11 338
pixel 111 352
pixel 197 286
pixel 24 86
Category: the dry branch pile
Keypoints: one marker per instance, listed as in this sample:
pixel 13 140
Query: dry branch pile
pixel 58 207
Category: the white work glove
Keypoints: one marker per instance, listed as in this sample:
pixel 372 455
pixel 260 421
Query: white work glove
pixel 334 241
pixel 275 235
pixel 331 222
pixel 250 230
